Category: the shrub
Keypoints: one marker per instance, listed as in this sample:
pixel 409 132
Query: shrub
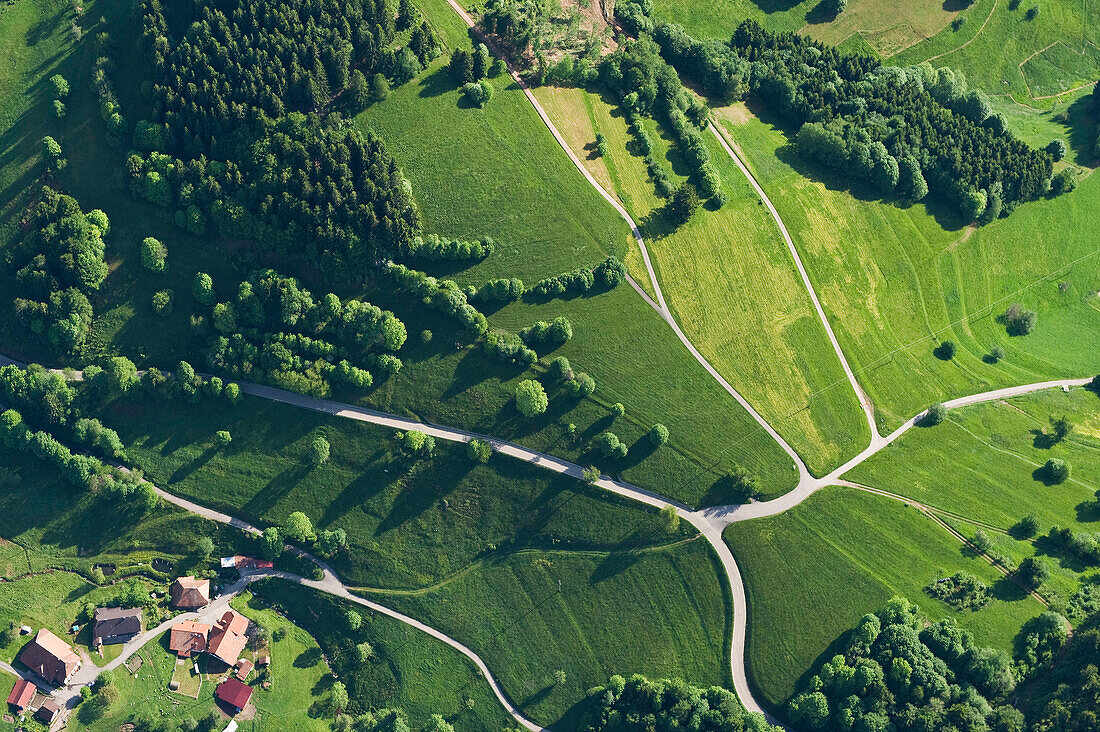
pixel 162 302
pixel 319 450
pixel 1064 181
pixel 581 386
pixel 1057 470
pixel 154 255
pixel 1032 572
pixel 203 288
pixel 425 336
pixel 505 346
pixel 590 475
pixel 418 444
pixel 658 434
pixel 556 332
pixel 478 450
pixel 935 414
pixel 962 591
pixel 531 398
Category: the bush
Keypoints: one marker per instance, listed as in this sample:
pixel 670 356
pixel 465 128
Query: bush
pixel 59 108
pixel 962 591
pixel 555 333
pixel 531 398
pixel 418 444
pixel 559 370
pixel 935 414
pixel 154 255
pixel 478 92
pixel 319 450
pixel 658 434
pixel 1057 470
pixel 478 450
pixel 1032 572
pixel 162 302
pixel 608 443
pixel 505 346
pixel 581 386
pixel 1064 181
pixel 203 288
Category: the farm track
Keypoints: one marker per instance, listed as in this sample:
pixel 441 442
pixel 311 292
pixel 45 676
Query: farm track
pixel 710 522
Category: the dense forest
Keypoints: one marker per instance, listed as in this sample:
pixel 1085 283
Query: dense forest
pixel 902 673
pixel 903 131
pixel 245 129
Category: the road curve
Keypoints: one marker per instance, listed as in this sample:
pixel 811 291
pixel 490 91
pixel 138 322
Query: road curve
pixel 864 400
pixel 725 515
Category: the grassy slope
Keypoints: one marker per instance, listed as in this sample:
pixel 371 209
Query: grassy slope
pixel 546 220
pixel 408 524
pixel 981 465
pixel 409 669
pixel 658 613
pixel 769 346
pixel 813 571
pixel 895 283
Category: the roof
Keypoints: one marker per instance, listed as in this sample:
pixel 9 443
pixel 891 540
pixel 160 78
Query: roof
pixel 22 694
pixel 188 637
pixel 110 622
pixel 190 592
pixel 227 638
pixel 244 668
pixel 48 710
pixel 263 660
pixel 234 693
pixel 50 657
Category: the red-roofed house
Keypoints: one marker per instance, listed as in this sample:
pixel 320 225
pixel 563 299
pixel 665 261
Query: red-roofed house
pixel 189 593
pixel 227 638
pixel 20 697
pixel 50 657
pixel 244 668
pixel 234 693
pixel 188 638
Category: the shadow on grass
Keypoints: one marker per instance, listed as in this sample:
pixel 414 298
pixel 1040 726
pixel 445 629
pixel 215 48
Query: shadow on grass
pixel 308 658
pixel 183 472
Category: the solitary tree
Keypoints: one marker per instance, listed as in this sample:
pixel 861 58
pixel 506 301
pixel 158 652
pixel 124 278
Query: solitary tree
pixel 590 474
pixel 298 527
pixel 205 546
pixel 319 450
pixel 1029 525
pixel 353 620
pixel 478 450
pixel 1057 470
pixel 935 414
pixel 154 255
pixel 658 434
pixel 339 697
pixel 531 399
pixel 1032 572
pixel 1062 427
pixel 222 438
pixel 271 543
pixel 685 200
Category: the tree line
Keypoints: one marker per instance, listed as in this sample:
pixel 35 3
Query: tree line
pixel 903 130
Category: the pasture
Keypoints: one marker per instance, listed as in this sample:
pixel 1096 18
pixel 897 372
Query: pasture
pixel 659 612
pixel 407 669
pixel 731 284
pixel 813 571
pixel 896 282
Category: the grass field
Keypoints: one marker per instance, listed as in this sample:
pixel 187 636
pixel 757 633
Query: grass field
pixel 896 282
pixel 409 524
pixel 812 572
pixel 592 614
pixel 408 670
pixel 769 345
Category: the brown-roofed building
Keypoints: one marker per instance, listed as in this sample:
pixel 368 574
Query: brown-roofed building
pixel 244 668
pixel 50 657
pixel 227 638
pixel 188 638
pixel 234 693
pixel 190 593
pixel 263 660
pixel 20 697
pixel 48 711
pixel 111 625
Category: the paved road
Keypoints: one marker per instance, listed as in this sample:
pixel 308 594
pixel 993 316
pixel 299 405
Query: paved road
pixel 864 400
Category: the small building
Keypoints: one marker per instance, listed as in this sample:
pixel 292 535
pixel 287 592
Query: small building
pixel 48 711
pixel 227 638
pixel 190 593
pixel 263 660
pixel 50 657
pixel 20 697
pixel 112 625
pixel 234 693
pixel 188 638
pixel 244 668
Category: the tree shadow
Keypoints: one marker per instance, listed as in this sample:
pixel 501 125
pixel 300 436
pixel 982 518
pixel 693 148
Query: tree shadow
pixel 954 6
pixel 308 658
pixel 1082 128
pixel 436 84
pixel 1008 590
pixel 642 448
pixel 1042 475
pixel 474 368
pixel 538 697
pixel 185 471
pixel 613 564
pixel 276 489
pixel 1043 440
pixel 944 352
pixel 819 14
pixel 1088 511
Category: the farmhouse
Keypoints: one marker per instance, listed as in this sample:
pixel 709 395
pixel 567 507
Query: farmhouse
pixel 227 638
pixel 188 638
pixel 234 693
pixel 48 711
pixel 50 657
pixel 190 593
pixel 20 697
pixel 111 625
